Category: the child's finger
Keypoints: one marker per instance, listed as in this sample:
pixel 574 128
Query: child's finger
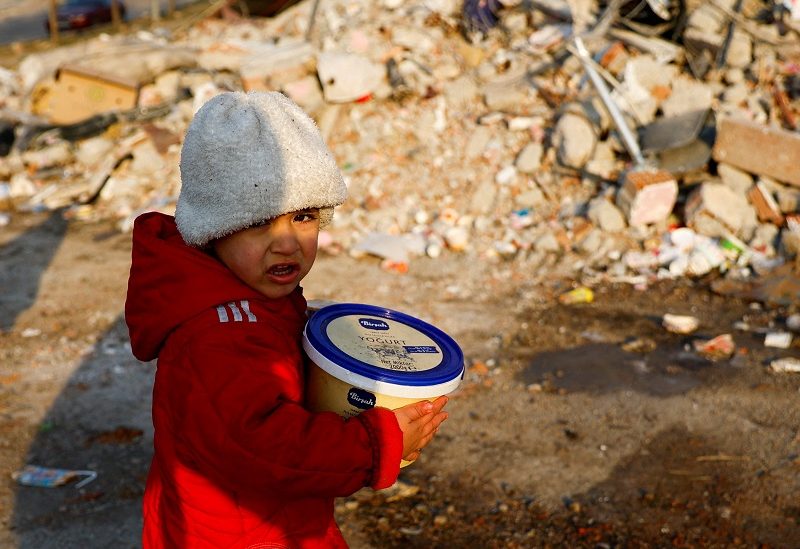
pixel 417 410
pixel 432 420
pixel 430 427
pixel 439 403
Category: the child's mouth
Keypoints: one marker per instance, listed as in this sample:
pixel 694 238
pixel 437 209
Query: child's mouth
pixel 283 272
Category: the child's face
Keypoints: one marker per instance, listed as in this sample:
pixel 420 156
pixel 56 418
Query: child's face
pixel 274 257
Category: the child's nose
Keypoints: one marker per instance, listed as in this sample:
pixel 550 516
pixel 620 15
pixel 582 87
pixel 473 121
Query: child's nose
pixel 284 239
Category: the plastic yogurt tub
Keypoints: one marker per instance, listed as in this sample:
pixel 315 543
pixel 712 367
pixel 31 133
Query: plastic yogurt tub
pixel 364 356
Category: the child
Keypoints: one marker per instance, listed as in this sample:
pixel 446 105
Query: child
pixel 214 295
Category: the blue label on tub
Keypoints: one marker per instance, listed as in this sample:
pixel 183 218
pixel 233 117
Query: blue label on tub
pixel 420 349
pixel 373 324
pixel 360 398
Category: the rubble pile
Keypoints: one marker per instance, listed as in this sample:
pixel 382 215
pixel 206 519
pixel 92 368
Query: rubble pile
pixel 669 150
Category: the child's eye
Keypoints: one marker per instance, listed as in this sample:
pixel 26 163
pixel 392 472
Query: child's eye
pixel 303 217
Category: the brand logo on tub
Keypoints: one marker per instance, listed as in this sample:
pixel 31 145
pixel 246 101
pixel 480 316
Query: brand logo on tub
pixel 360 398
pixel 373 324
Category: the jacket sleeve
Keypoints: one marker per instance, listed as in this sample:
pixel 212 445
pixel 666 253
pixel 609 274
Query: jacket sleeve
pixel 241 430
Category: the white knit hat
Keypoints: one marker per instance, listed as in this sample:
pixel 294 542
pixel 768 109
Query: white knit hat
pixel 249 157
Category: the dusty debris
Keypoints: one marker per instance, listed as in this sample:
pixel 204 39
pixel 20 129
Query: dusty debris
pixel 780 340
pixel 719 348
pixel 785 365
pixel 572 154
pixel 680 324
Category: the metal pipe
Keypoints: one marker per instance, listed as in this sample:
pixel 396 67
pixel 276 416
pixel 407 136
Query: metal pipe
pixel 628 137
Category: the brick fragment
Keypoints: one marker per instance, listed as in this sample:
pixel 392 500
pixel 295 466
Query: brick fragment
pixel 758 149
pixel 766 207
pixel 647 196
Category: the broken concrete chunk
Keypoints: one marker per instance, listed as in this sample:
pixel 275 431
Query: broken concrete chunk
pixel 740 50
pixel 736 94
pixel 387 246
pixel 457 238
pixel 605 215
pixel 529 159
pixel 478 141
pixel 738 180
pixel 715 210
pixel 763 150
pixel 348 77
pixel 506 175
pixel 21 186
pixel 547 243
pixel 92 151
pixel 789 200
pixel 790 242
pixel 531 198
pixel 461 92
pixel 267 67
pixel 306 93
pixel 412 39
pixel 167 85
pixel 54 155
pixel 483 198
pixel 647 196
pixel 146 159
pixel 688 95
pixel 575 140
pixel 504 97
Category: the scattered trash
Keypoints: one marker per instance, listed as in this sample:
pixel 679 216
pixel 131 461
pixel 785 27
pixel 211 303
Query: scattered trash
pixel 780 340
pixel 719 348
pixel 680 324
pixel 578 295
pixel 785 365
pixel 46 477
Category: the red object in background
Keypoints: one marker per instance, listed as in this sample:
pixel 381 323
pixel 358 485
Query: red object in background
pixel 81 14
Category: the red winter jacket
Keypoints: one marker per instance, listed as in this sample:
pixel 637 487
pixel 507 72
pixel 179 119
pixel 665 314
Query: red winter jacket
pixel 239 463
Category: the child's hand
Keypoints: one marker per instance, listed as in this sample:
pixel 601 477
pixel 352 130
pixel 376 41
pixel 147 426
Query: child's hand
pixel 419 422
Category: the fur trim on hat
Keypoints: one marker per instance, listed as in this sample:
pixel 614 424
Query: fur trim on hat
pixel 249 157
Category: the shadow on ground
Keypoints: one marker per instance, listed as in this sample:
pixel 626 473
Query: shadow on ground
pixel 23 261
pixel 100 421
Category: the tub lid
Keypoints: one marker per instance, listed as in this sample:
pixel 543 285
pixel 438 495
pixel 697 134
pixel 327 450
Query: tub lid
pixel 383 345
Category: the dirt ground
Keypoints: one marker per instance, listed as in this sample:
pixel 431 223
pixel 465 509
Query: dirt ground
pixel 575 426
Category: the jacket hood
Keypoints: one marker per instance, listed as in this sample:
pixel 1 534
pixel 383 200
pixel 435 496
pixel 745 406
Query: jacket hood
pixel 171 283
